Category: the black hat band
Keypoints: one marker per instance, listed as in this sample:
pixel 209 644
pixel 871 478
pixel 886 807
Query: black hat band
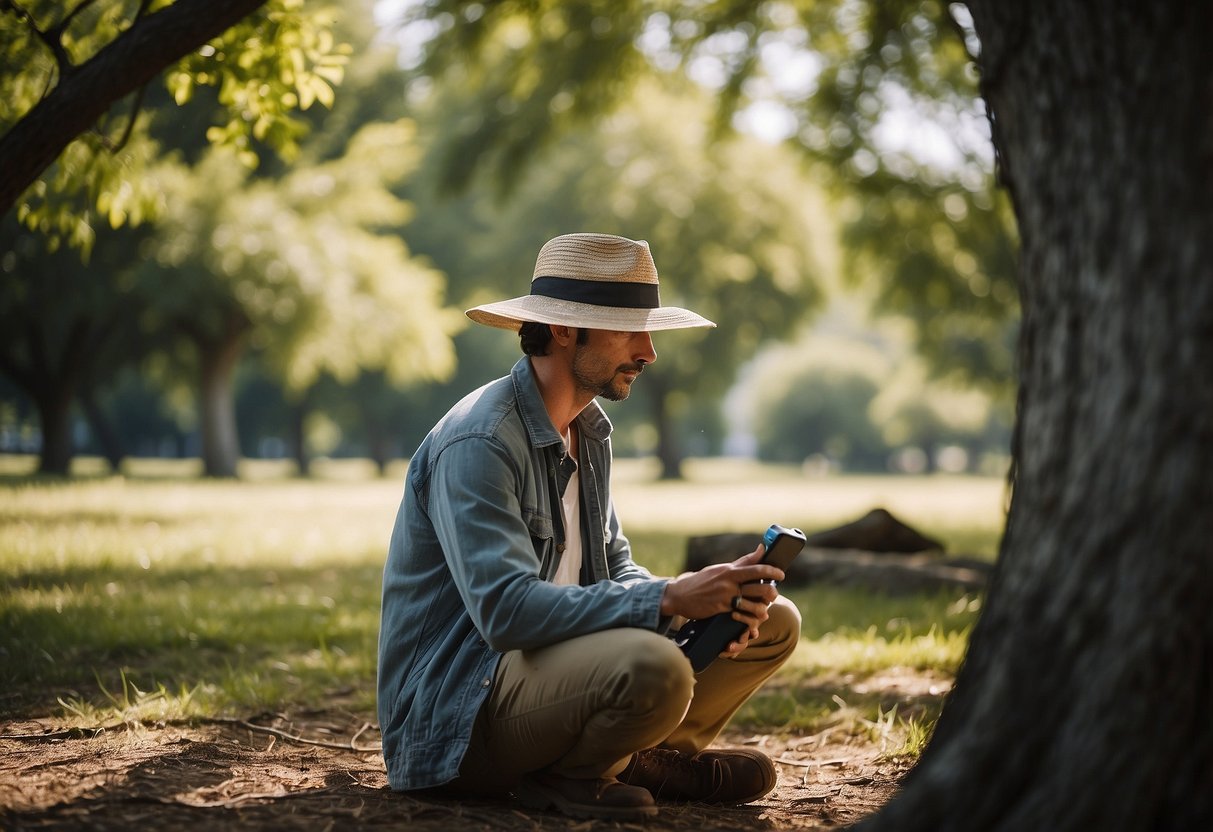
pixel 628 295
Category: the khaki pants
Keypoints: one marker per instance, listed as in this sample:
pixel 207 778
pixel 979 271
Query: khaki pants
pixel 582 707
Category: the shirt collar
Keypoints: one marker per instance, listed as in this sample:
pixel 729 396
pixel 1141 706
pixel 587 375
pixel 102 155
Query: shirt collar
pixel 591 422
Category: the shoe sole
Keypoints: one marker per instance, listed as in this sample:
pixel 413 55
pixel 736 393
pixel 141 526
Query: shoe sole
pixel 534 797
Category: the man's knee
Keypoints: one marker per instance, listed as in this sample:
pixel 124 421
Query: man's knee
pixel 650 669
pixel 782 625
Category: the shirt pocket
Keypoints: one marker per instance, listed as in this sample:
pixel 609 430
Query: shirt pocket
pixel 543 540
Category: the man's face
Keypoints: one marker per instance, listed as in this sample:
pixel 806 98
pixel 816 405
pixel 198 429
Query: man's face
pixel 609 361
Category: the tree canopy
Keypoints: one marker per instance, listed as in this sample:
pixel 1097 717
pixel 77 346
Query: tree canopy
pixel 843 81
pixel 730 228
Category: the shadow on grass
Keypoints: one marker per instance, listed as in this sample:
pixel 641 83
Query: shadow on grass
pixel 244 636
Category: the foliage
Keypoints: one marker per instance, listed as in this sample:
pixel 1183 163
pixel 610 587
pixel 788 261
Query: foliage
pixel 303 262
pixel 822 412
pixel 844 79
pixel 853 404
pixel 264 70
pixel 730 230
pixel 279 60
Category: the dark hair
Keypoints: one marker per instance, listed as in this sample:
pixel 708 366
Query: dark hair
pixel 536 337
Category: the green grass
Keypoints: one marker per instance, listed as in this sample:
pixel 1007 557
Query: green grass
pixel 156 594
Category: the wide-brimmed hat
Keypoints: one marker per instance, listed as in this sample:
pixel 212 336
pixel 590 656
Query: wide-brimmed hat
pixel 592 281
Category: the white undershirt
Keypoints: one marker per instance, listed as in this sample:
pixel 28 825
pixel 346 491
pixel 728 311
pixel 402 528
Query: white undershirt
pixel 568 571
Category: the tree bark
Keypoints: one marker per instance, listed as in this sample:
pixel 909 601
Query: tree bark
pixel 220 440
pixel 1083 702
pixel 86 92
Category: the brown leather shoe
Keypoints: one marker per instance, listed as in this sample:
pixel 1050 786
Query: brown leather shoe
pixel 597 798
pixel 733 776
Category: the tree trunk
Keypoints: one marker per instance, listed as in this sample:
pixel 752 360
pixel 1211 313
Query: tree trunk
pixel 303 461
pixel 54 419
pixel 668 452
pixel 379 443
pixel 50 381
pixel 107 437
pixel 1084 700
pixel 220 441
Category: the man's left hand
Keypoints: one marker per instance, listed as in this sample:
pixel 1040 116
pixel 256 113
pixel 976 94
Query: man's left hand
pixel 751 610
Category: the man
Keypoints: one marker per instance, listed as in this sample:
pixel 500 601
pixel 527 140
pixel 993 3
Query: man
pixel 522 650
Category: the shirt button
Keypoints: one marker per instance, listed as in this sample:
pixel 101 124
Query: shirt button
pixel 485 683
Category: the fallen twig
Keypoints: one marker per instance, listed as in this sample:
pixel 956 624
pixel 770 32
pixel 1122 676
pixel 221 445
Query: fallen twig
pixel 92 733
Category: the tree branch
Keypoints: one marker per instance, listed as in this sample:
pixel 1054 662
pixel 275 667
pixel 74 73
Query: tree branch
pixel 51 38
pixel 114 146
pixel 66 21
pixel 129 62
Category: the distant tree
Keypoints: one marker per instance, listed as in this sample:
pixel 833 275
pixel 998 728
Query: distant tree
pixel 143 420
pixel 299 266
pixel 813 398
pixel 66 325
pixel 72 167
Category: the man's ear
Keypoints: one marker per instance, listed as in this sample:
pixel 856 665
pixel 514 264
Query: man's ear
pixel 563 335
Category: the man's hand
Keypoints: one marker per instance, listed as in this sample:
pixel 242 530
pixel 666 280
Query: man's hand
pixel 713 588
pixel 751 610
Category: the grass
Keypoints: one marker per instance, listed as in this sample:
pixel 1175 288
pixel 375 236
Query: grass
pixel 156 594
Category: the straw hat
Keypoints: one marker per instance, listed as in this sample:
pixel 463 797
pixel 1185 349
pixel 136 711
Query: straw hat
pixel 594 281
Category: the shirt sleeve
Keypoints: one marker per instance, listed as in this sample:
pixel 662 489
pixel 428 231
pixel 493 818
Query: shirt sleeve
pixel 493 543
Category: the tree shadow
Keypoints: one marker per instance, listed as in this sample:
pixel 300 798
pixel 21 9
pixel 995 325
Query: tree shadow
pixel 225 781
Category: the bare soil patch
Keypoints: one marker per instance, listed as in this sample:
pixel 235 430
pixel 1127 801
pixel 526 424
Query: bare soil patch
pixel 226 774
pixel 321 770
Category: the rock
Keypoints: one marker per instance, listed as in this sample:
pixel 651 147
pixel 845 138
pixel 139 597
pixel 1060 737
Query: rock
pixel 876 531
pixel 877 551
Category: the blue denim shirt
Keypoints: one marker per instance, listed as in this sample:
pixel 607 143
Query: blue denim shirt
pixel 467 568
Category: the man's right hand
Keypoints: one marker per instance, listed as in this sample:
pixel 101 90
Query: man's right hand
pixel 713 588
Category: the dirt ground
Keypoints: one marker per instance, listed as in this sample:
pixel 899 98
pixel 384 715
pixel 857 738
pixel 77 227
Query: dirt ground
pixel 321 770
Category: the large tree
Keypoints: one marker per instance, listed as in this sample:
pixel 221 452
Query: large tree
pixel 1083 702
pixel 309 267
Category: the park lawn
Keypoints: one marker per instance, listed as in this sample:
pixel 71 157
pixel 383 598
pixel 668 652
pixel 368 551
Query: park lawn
pixel 157 595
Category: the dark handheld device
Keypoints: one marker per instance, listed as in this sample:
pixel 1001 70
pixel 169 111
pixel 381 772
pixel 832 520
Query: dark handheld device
pixel 702 640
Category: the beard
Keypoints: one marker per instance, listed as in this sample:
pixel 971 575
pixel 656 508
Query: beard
pixel 594 375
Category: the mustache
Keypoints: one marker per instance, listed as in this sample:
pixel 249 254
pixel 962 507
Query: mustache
pixel 630 368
